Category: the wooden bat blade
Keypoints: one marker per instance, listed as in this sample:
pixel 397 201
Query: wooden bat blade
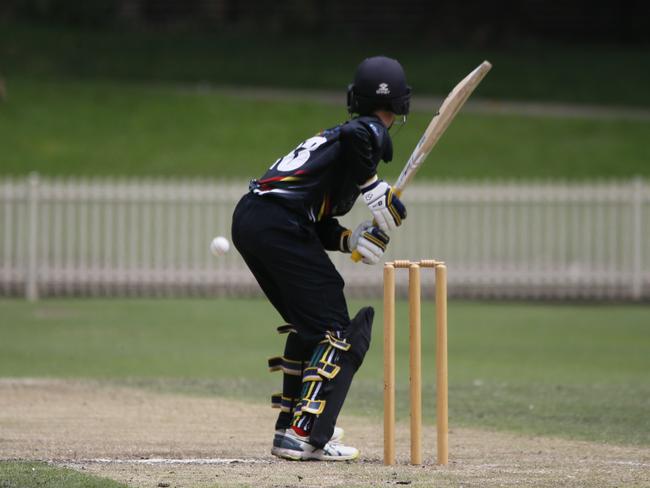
pixel 446 113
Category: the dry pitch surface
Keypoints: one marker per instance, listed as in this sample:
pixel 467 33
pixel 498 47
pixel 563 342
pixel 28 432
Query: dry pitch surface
pixel 148 439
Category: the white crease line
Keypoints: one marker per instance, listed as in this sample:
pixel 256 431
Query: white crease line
pixel 153 461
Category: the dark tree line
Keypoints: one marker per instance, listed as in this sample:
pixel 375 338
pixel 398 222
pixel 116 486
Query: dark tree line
pixel 471 22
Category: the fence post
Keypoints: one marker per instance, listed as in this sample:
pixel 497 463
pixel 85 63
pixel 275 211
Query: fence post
pixel 31 282
pixel 637 236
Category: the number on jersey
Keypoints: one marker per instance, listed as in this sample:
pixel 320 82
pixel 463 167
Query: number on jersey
pixel 299 156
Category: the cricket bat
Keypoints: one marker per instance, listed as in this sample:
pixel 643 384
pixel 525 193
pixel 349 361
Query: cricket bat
pixel 436 128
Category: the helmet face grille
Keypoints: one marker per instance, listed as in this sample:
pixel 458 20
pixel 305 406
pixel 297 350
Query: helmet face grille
pixel 379 83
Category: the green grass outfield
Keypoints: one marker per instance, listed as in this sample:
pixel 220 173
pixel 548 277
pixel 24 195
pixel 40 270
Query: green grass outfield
pixel 576 371
pixel 136 129
pixel 21 474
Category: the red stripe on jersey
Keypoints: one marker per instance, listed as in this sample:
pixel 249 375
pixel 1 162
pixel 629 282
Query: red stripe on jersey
pixel 269 180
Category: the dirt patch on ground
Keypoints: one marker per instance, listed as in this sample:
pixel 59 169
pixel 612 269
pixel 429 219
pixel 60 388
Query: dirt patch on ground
pixel 145 439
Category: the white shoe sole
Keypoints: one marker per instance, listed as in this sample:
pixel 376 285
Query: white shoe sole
pixel 287 454
pixel 292 455
pixel 316 457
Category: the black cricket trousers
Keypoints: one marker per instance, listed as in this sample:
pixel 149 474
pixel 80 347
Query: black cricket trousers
pixel 284 253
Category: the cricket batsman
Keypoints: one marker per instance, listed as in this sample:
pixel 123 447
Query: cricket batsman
pixel 282 228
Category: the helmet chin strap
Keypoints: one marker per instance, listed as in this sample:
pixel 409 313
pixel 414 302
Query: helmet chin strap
pixel 398 123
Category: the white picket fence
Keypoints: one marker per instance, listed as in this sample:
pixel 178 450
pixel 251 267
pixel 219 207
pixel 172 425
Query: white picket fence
pixel 118 237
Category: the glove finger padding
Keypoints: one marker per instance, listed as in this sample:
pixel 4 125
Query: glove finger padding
pixel 396 208
pixel 387 209
pixel 356 234
pixel 370 254
pixel 372 245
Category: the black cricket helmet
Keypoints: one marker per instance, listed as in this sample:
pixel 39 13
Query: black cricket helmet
pixel 379 83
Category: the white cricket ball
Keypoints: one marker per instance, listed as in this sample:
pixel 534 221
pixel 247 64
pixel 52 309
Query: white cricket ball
pixel 219 246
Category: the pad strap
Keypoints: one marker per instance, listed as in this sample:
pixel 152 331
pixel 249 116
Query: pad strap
pixel 335 341
pixel 287 329
pixel 283 403
pixel 314 407
pixel 276 400
pixel 287 366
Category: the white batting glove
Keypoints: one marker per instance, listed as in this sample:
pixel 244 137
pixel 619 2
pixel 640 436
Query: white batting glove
pixel 386 208
pixel 369 241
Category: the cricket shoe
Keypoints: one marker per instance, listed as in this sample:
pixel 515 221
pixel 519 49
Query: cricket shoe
pixel 297 448
pixel 337 436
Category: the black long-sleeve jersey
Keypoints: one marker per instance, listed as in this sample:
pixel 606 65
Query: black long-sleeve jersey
pixel 321 177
